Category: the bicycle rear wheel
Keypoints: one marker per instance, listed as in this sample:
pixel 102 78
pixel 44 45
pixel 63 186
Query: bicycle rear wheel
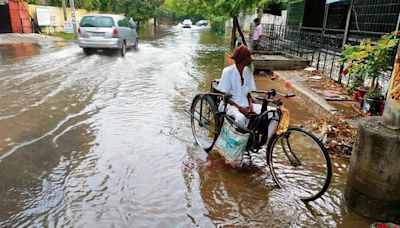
pixel 300 164
pixel 204 121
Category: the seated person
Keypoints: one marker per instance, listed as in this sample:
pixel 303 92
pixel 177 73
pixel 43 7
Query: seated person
pixel 237 80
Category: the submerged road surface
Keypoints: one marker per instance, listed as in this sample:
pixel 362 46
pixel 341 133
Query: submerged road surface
pixel 103 141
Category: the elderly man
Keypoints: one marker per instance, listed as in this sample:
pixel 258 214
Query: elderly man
pixel 237 80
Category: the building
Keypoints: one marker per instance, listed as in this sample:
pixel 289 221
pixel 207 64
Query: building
pixel 14 17
pixel 368 18
pixel 317 30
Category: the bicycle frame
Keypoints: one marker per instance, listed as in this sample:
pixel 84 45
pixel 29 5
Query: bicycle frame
pixel 258 125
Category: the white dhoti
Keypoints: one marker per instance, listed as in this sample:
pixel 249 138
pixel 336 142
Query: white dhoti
pixel 243 121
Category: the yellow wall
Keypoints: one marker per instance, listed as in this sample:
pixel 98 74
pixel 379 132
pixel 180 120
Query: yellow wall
pixel 57 16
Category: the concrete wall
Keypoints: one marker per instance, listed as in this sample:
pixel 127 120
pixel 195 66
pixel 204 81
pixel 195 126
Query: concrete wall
pixel 57 16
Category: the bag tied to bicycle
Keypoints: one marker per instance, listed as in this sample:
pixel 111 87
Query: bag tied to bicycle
pixel 231 143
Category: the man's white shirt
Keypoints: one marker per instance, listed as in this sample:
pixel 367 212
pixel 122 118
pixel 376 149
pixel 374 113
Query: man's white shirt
pixel 230 83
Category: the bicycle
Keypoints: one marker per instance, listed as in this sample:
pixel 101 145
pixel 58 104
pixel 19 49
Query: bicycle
pixel 295 157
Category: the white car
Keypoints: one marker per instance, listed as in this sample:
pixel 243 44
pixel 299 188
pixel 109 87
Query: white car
pixel 187 23
pixel 202 23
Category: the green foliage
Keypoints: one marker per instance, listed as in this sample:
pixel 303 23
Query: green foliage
pixel 140 10
pixel 368 60
pixel 274 7
pixel 90 4
pixel 214 10
pixel 66 36
pixel 35 2
pixel 56 3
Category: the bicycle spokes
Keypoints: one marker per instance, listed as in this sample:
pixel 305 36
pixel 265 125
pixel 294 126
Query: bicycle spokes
pixel 290 154
pixel 300 164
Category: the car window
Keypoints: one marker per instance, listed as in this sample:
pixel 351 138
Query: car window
pixel 97 21
pixel 123 22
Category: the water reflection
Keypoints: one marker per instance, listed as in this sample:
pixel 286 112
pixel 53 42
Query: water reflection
pixel 18 50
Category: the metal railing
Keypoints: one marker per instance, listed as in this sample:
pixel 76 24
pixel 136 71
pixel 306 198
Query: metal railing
pixel 322 47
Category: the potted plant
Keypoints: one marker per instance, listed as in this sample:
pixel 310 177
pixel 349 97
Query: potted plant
pixel 378 62
pixel 369 61
pixel 354 57
pixel 373 102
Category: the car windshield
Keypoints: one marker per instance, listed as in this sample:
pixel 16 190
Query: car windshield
pixel 97 21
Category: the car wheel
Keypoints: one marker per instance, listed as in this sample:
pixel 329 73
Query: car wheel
pixel 136 47
pixel 123 49
pixel 87 51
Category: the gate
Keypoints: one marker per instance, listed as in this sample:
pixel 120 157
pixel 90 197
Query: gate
pixel 5 20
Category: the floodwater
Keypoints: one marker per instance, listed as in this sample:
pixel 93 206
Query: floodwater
pixel 104 141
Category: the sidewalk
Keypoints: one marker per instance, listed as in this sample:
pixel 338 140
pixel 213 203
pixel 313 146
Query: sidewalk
pixel 323 96
pixel 13 38
pixel 336 112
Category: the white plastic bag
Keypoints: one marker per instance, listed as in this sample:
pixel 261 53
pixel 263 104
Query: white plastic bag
pixel 231 144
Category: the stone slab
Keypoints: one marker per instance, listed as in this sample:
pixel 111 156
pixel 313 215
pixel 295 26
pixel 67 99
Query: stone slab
pixel 312 100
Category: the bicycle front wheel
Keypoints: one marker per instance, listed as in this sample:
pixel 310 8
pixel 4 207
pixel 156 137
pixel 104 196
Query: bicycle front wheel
pixel 300 164
pixel 204 121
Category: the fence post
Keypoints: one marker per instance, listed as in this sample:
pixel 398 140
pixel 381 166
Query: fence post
pixel 345 37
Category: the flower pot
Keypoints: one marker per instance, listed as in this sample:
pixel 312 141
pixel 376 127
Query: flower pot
pixel 361 92
pixel 372 105
pixel 382 108
pixel 356 96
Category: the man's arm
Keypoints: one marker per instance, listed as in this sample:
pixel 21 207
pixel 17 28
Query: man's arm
pixel 250 100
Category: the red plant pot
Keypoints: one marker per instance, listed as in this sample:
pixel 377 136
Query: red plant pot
pixel 356 96
pixel 361 92
pixel 382 108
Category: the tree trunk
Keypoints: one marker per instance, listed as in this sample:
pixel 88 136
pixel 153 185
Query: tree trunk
pixel 260 12
pixel 233 36
pixel 372 85
pixel 236 21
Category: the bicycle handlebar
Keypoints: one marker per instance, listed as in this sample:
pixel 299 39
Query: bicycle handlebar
pixel 273 93
pixel 277 102
pixel 270 93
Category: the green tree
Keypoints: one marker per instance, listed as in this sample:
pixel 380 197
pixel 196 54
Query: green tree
pixel 56 3
pixel 90 4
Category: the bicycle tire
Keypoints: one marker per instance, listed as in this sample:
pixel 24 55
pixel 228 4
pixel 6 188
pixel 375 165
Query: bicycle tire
pixel 303 148
pixel 213 123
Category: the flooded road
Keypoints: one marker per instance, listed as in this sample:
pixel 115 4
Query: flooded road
pixel 104 141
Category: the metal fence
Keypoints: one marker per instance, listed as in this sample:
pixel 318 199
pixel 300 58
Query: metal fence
pixel 322 47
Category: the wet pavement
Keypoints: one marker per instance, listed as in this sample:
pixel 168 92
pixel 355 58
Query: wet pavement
pixel 104 141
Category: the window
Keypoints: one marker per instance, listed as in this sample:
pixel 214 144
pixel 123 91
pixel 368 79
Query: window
pixel 123 23
pixel 97 21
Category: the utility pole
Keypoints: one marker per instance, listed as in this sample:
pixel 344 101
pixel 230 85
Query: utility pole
pixel 391 114
pixel 64 9
pixel 71 4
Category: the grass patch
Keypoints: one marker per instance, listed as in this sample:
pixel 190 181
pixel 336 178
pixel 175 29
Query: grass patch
pixel 66 36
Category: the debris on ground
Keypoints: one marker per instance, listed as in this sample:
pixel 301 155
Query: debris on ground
pixel 336 133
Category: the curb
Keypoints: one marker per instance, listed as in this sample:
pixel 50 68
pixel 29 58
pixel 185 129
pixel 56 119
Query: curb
pixel 313 101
